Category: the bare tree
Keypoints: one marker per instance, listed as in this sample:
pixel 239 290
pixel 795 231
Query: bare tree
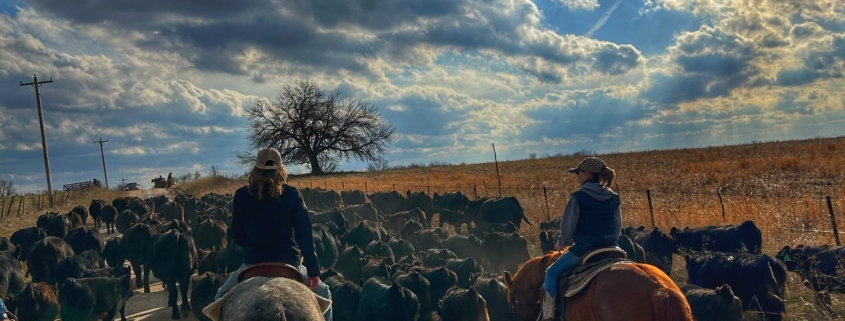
pixel 197 175
pixel 214 172
pixel 7 188
pixel 315 127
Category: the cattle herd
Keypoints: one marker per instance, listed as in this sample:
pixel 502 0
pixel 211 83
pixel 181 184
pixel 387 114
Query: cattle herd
pixel 381 255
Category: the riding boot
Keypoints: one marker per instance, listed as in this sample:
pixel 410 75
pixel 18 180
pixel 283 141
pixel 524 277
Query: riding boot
pixel 548 312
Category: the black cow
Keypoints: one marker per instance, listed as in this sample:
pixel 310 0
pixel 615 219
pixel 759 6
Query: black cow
pixel 658 246
pixel 345 298
pixel 83 213
pixel 233 254
pixel 379 249
pixel 758 280
pixel 454 218
pixel 718 304
pixel 172 211
pixel 388 203
pixel 436 257
pixel 353 197
pixel 84 238
pixel 376 267
pixel 464 269
pixel 108 271
pixel 364 232
pixel 100 297
pixel 38 302
pixel 495 293
pixel 422 201
pixel 820 268
pixel 325 245
pixel 173 258
pixel 134 249
pixel 745 237
pixel 335 217
pixel 59 226
pixel 421 287
pixel 410 228
pixel 6 244
pixel 514 244
pixel 204 287
pixel 503 210
pixel 385 300
pixel 456 201
pixel 465 246
pixel 351 262
pixel 483 227
pixel 210 233
pixel 44 256
pixel 94 210
pixel 113 252
pixel 428 239
pixel 211 261
pixel 401 248
pixel 463 305
pixel 45 219
pixel 12 280
pixel 125 220
pixel 634 251
pixel 26 237
pixel 109 215
pixel 73 267
pixel 441 280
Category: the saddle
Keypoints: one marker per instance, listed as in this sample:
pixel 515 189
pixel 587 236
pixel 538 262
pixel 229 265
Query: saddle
pixel 592 263
pixel 271 270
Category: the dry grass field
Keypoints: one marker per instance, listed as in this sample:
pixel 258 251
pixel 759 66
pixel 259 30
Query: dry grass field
pixel 780 185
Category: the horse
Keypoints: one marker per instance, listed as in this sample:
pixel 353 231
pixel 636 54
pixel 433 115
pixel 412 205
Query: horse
pixel 268 298
pixel 629 291
pixel 170 184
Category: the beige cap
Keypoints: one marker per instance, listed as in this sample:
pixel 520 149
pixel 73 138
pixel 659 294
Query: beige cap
pixel 268 159
pixel 590 164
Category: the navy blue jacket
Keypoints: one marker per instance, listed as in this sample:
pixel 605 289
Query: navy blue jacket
pixel 271 229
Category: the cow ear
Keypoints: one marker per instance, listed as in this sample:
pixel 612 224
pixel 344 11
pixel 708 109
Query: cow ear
pixel 641 228
pixel 508 279
pixel 673 231
pixel 408 193
pixel 725 290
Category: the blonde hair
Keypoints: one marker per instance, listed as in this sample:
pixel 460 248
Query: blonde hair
pixel 606 177
pixel 270 182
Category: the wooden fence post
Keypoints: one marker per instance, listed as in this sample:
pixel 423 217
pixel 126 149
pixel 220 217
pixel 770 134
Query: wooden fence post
pixel 474 191
pixel 366 189
pixel 394 187
pixel 650 208
pixel 11 203
pixel 342 186
pixel 833 221
pixel 326 183
pixel 546 196
pixel 499 178
pixel 428 187
pixel 724 215
pixel 20 205
pixel 486 192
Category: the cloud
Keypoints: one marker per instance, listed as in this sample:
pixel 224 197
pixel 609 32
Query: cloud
pixel 339 36
pixel 712 63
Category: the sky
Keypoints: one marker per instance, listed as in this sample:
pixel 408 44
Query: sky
pixel 167 82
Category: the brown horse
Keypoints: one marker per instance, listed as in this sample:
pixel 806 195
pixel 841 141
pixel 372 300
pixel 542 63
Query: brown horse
pixel 169 184
pixel 636 292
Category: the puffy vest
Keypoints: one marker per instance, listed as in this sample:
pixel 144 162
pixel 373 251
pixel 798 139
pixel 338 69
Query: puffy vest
pixel 597 224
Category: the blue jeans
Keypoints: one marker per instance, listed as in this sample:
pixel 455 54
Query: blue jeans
pixel 322 289
pixel 563 263
pixel 3 310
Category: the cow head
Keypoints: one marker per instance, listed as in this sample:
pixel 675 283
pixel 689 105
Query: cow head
pixel 790 257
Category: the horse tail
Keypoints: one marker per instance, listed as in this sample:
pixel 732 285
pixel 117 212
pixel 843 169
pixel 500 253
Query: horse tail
pixel 670 304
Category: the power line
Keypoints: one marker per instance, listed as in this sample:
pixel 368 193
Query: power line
pixel 35 83
pixel 103 156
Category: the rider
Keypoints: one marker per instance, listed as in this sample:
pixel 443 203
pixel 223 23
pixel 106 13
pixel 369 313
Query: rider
pixel 592 219
pixel 270 221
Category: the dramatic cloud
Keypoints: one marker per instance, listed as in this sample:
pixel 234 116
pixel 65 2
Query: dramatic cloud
pixel 167 82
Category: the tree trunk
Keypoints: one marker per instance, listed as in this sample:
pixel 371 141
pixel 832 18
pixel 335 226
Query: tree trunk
pixel 315 164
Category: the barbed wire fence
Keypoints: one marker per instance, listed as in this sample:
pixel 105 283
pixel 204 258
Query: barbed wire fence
pixel 661 208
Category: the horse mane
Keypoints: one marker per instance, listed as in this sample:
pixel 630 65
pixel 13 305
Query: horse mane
pixel 534 270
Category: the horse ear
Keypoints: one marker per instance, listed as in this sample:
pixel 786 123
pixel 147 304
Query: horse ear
pixel 508 279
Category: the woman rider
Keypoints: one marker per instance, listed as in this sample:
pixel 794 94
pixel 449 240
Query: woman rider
pixel 270 221
pixel 592 219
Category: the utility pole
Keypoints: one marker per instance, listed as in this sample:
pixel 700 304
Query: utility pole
pixel 35 83
pixel 103 155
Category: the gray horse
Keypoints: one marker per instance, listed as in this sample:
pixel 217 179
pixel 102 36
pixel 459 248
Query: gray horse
pixel 268 299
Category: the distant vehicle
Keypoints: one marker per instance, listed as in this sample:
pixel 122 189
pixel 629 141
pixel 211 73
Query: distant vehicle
pixel 132 187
